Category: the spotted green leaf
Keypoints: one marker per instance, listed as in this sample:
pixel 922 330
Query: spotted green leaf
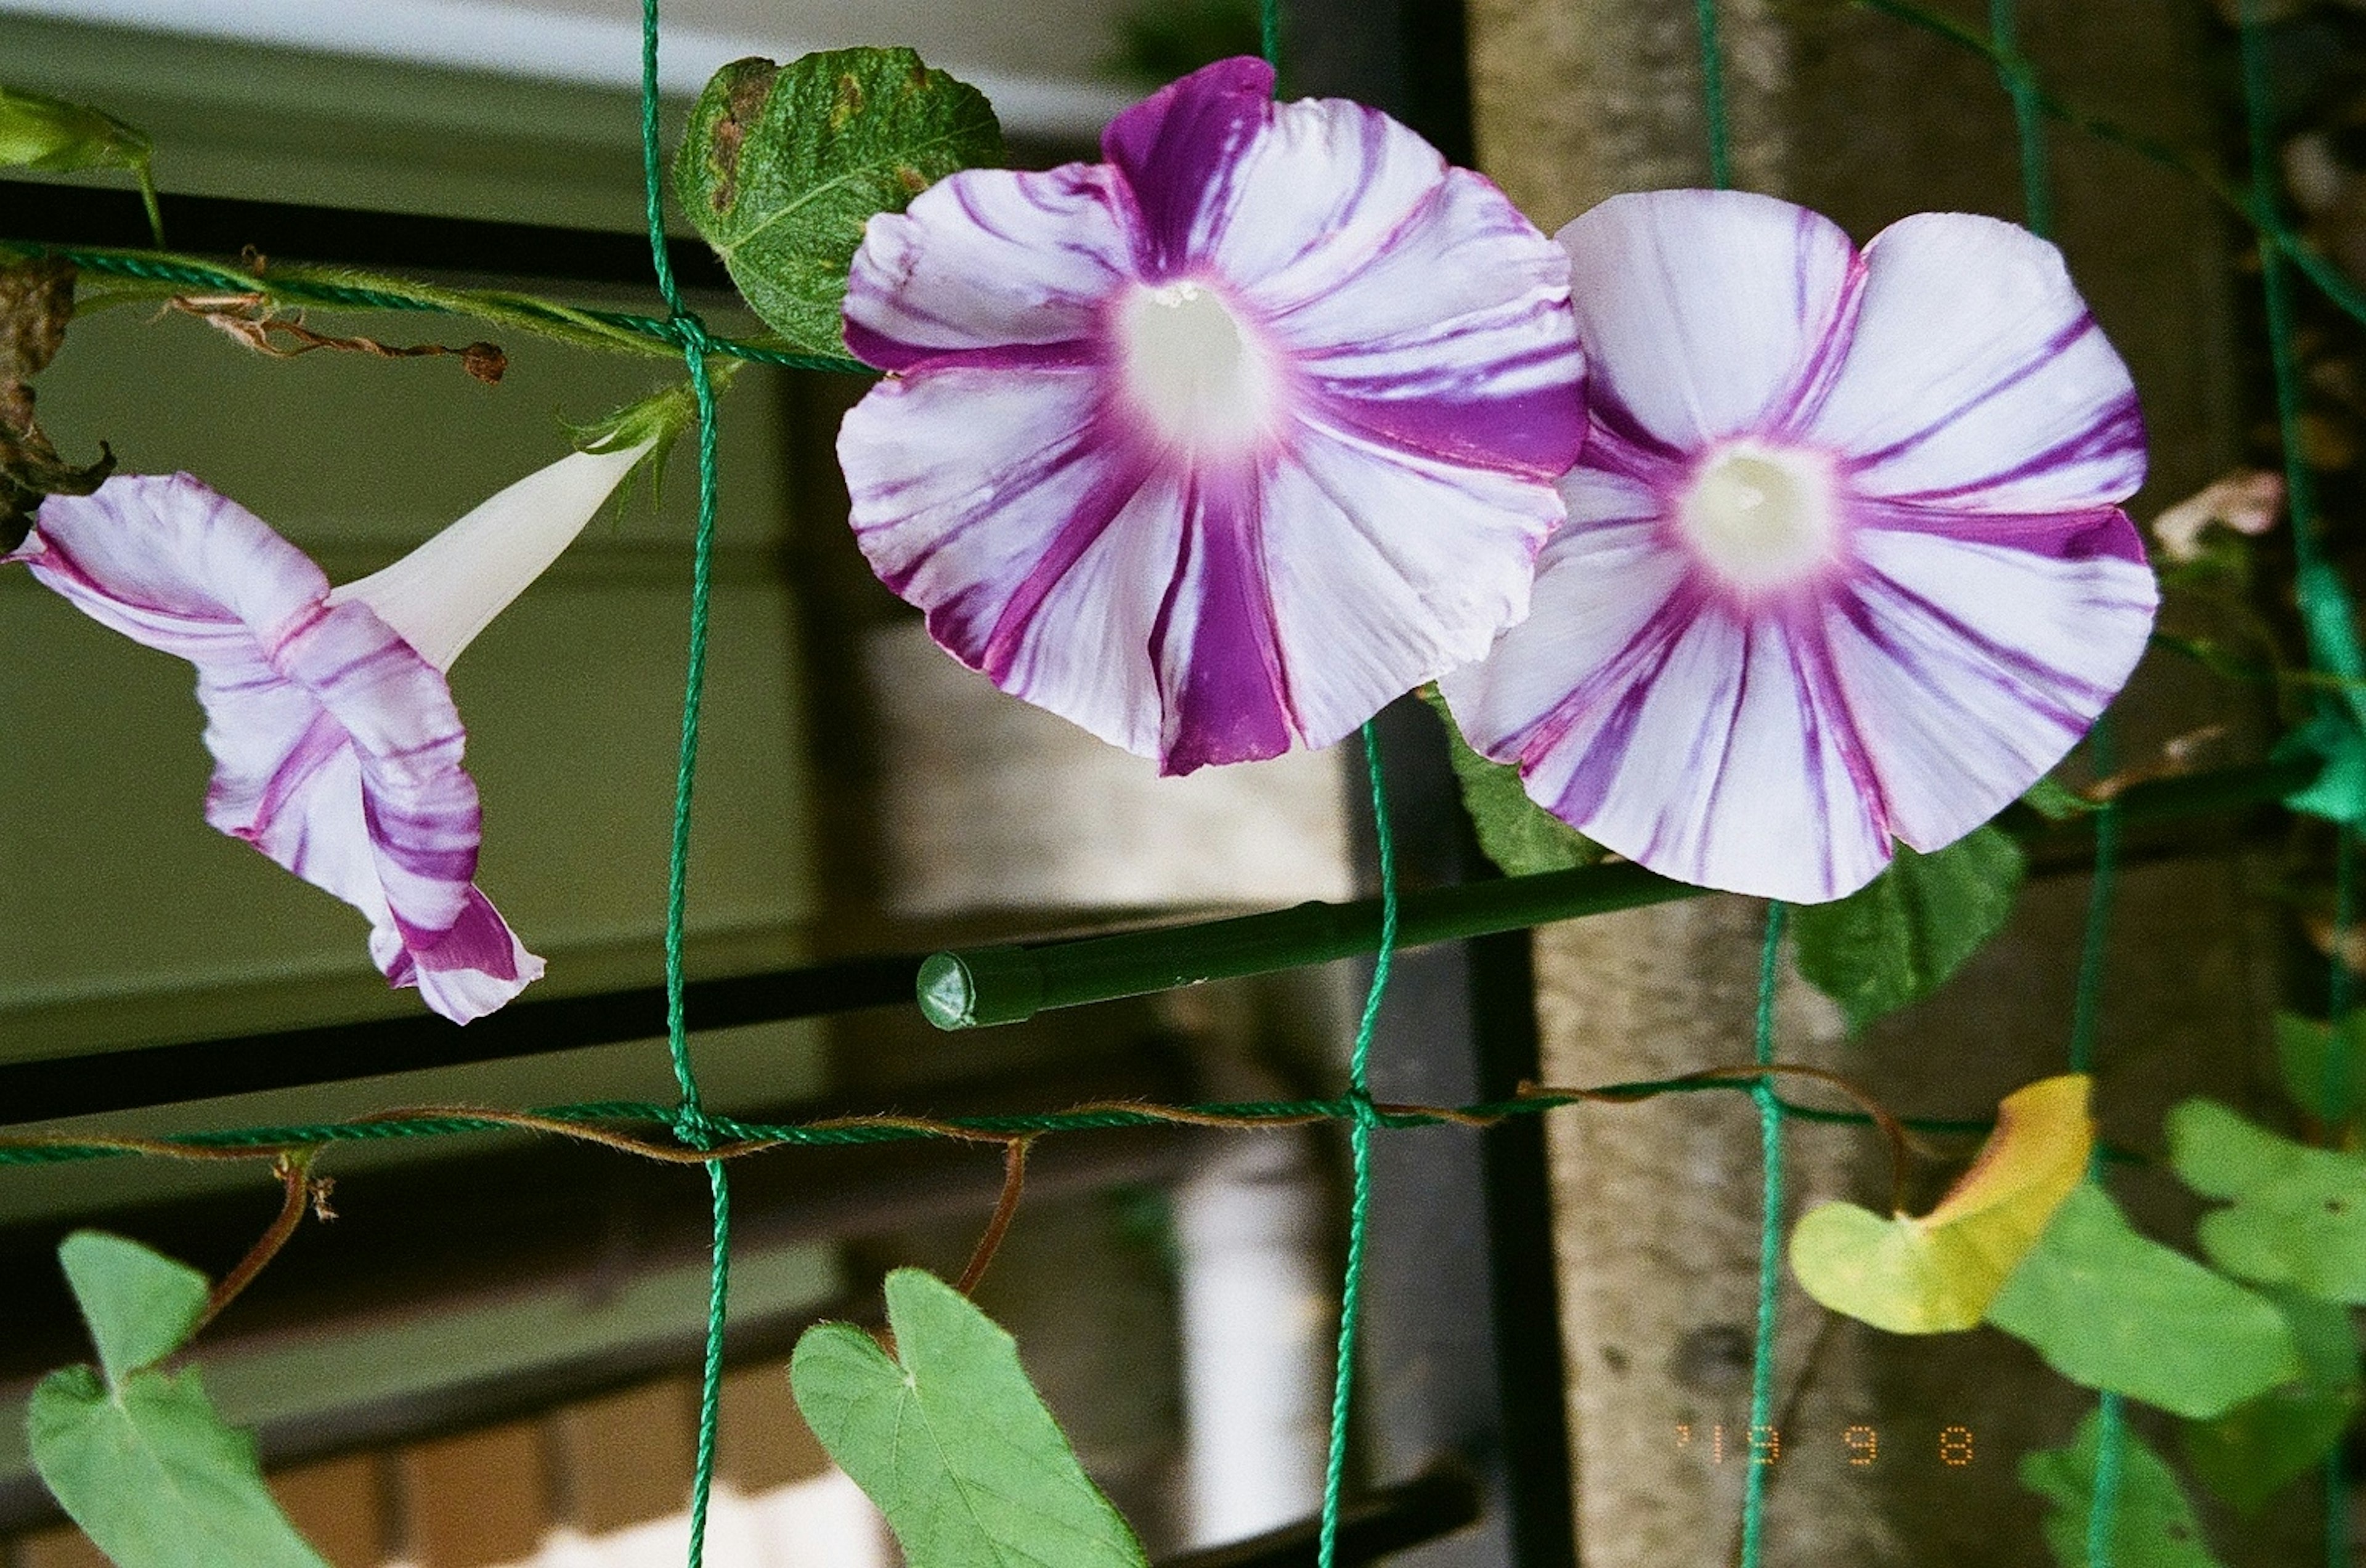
pixel 784 164
pixel 2263 1445
pixel 41 132
pixel 2297 1216
pixel 1514 831
pixel 2111 1309
pixel 950 1440
pixel 2153 1525
pixel 1898 938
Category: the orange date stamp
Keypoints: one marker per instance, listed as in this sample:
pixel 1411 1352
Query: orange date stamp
pixel 1860 1444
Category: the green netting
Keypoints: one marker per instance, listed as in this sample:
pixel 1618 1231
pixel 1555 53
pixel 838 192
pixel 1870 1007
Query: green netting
pixel 686 1132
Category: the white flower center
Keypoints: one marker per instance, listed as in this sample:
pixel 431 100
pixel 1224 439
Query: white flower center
pixel 1200 378
pixel 1762 517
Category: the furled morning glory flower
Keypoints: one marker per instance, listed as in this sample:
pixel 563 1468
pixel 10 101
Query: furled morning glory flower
pixel 1844 560
pixel 1216 446
pixel 336 747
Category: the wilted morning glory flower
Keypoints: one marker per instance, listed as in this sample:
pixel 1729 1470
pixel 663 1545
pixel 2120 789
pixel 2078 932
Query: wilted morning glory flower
pixel 1216 446
pixel 336 747
pixel 1844 560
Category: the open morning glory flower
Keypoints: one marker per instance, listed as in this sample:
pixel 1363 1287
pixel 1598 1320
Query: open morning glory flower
pixel 1844 560
pixel 1218 445
pixel 336 747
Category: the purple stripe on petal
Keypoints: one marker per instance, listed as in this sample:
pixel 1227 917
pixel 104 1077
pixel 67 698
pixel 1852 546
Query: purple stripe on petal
pixel 1175 147
pixel 1231 702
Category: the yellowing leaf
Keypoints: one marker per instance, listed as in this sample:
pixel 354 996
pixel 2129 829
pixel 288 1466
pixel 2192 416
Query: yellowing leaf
pixel 1938 1273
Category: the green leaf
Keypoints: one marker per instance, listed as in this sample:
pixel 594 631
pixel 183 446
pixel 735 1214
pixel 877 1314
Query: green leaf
pixel 2110 1309
pixel 2153 1523
pixel 155 1477
pixel 140 1305
pixel 1517 834
pixel 1898 938
pixel 1938 1273
pixel 2262 1446
pixel 954 1444
pixel 2338 794
pixel 2057 802
pixel 41 132
pixel 2303 1048
pixel 2298 1214
pixel 783 166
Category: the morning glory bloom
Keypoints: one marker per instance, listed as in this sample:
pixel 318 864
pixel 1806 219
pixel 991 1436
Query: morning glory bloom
pixel 1844 560
pixel 336 747
pixel 1216 446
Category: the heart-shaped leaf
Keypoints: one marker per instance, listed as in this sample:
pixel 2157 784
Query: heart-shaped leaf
pixel 784 164
pixel 1898 938
pixel 2153 1525
pixel 2298 1215
pixel 140 1459
pixel 2263 1445
pixel 2110 1309
pixel 1514 831
pixel 1939 1272
pixel 951 1441
pixel 140 1305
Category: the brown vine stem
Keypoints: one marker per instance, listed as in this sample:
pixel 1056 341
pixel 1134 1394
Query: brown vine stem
pixel 295 1171
pixel 1900 1141
pixel 1006 1208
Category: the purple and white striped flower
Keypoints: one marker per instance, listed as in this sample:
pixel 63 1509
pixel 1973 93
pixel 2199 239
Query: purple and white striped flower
pixel 336 747
pixel 1844 560
pixel 1218 445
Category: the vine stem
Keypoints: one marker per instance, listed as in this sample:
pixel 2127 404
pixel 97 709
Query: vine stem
pixel 295 1171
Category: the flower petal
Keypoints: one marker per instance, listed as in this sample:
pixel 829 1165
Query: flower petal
pixel 1455 339
pixel 991 267
pixel 1176 151
pixel 336 746
pixel 1715 308
pixel 1387 569
pixel 1707 747
pixel 1969 668
pixel 1974 377
pixel 442 594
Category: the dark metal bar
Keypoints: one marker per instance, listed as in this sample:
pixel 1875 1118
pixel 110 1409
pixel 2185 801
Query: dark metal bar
pixel 214 225
pixel 1437 1503
pixel 981 986
pixel 959 989
pixel 162 1075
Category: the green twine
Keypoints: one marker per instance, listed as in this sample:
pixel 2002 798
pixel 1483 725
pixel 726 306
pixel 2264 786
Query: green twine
pixel 1269 31
pixel 2020 85
pixel 691 1121
pixel 1362 1119
pixel 1712 69
pixel 1770 1246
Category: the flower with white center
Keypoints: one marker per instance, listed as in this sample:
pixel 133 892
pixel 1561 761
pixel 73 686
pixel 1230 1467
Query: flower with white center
pixel 1217 446
pixel 336 747
pixel 1844 560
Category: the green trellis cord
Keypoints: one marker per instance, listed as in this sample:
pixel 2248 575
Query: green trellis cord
pixel 1770 1246
pixel 1769 1104
pixel 1362 1118
pixel 2016 76
pixel 691 1121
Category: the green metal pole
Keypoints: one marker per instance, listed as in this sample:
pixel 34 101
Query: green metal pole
pixel 975 986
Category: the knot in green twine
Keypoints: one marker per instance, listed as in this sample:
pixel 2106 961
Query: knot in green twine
pixel 686 329
pixel 693 1128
